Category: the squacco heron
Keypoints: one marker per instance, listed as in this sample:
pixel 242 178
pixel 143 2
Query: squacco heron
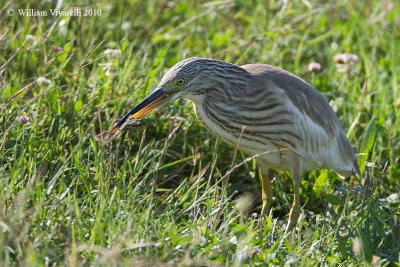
pixel 259 108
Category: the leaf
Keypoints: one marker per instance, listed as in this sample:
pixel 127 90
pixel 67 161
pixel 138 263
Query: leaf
pixel 158 190
pixel 53 97
pixel 365 245
pixel 240 231
pixel 367 143
pixel 78 105
pixel 321 182
pixel 334 200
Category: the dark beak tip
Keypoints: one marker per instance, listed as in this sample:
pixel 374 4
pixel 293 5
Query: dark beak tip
pixel 156 96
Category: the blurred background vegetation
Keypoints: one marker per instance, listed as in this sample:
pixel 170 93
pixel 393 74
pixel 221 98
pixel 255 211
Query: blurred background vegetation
pixel 165 196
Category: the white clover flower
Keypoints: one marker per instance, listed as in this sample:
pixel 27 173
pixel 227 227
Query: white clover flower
pixel 43 81
pixel 314 67
pixel 346 63
pixel 23 119
pixel 112 54
pixel 110 67
pixel 30 41
pixel 345 58
pixel 30 38
pixel 126 25
pixel 62 26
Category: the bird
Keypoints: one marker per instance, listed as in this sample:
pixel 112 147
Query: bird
pixel 262 110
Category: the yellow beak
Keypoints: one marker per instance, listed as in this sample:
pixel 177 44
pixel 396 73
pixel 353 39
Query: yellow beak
pixel 150 103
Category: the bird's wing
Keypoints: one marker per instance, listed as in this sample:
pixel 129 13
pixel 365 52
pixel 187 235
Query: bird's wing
pixel 324 141
pixel 303 96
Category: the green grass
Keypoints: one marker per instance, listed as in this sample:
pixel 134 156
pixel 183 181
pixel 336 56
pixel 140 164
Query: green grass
pixel 166 196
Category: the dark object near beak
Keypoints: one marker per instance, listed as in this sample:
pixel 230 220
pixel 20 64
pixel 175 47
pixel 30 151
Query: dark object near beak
pixel 132 125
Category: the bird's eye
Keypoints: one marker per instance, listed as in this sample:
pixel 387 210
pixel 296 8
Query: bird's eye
pixel 180 82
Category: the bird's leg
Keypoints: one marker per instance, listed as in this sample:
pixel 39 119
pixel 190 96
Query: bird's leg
pixel 295 211
pixel 266 193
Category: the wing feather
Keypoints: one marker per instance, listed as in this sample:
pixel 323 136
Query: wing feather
pixel 324 141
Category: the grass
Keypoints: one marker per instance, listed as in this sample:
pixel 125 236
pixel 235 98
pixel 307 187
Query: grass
pixel 168 195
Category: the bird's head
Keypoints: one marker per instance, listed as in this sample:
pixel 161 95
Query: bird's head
pixel 189 77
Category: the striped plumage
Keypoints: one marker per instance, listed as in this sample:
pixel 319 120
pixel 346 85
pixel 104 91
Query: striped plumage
pixel 260 108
